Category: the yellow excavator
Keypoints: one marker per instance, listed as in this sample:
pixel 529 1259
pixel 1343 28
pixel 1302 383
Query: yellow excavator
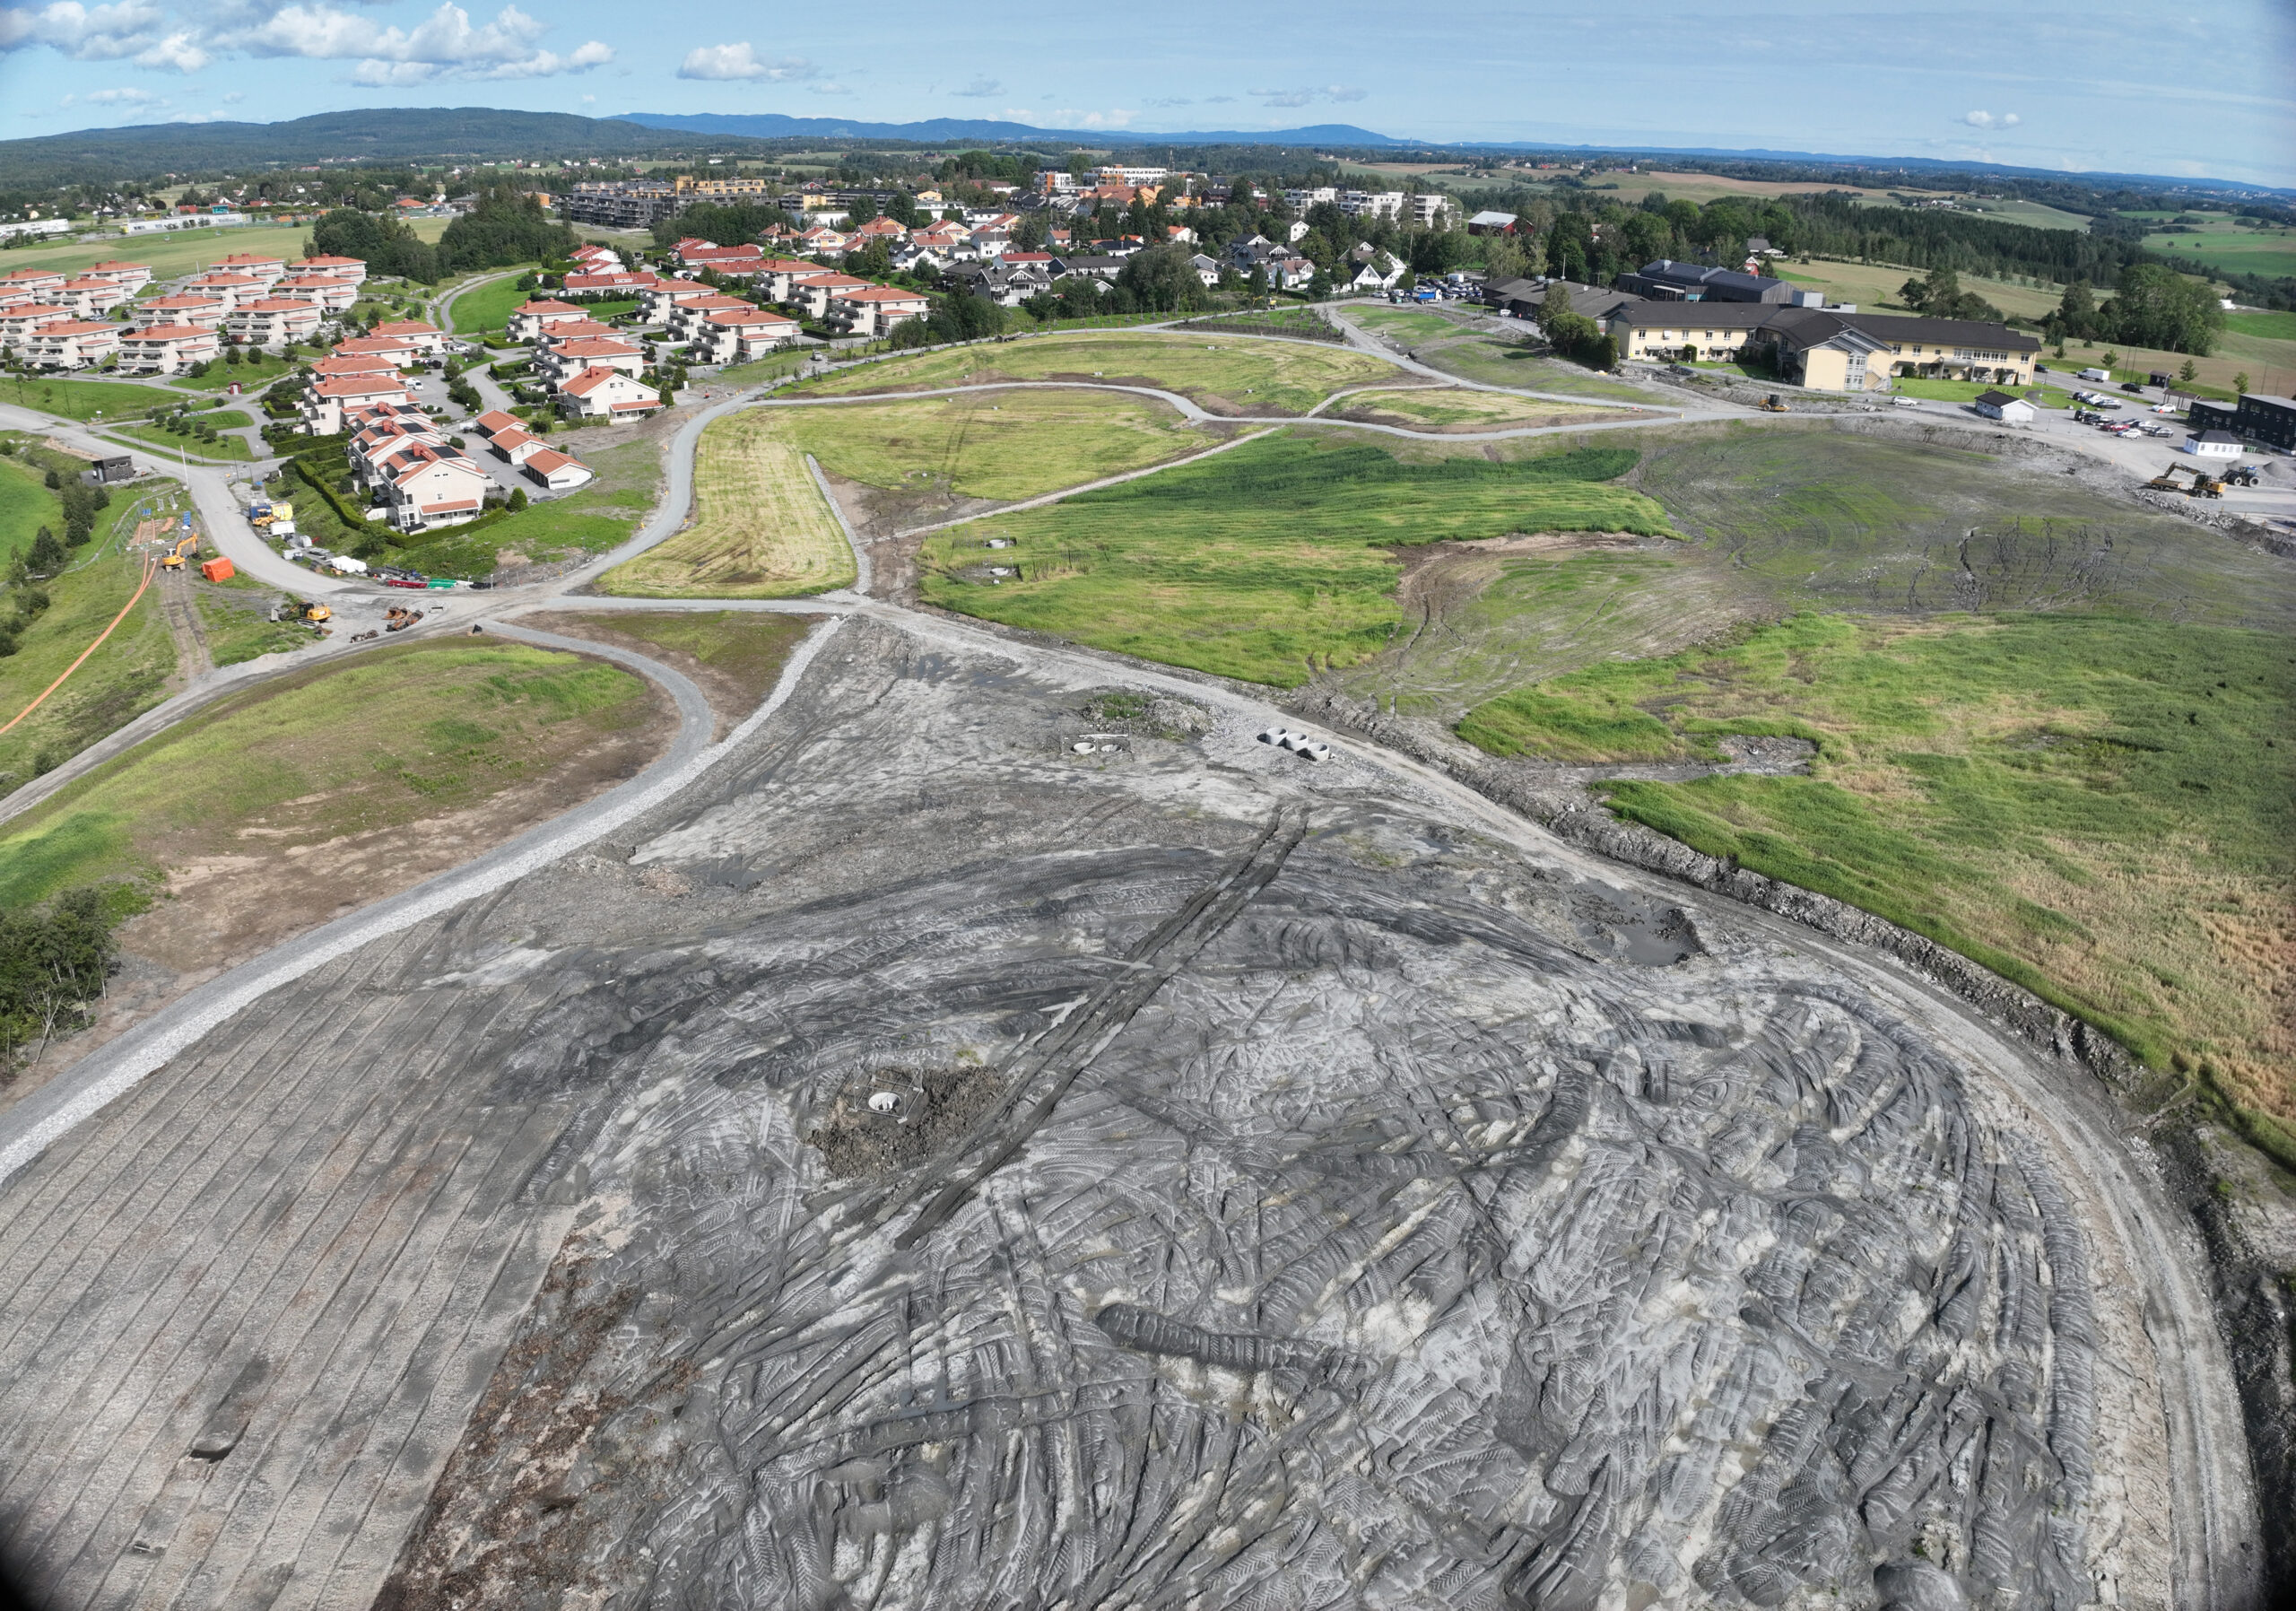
pixel 294 609
pixel 187 548
pixel 2204 484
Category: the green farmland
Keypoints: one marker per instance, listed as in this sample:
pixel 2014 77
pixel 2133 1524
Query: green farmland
pixel 1267 563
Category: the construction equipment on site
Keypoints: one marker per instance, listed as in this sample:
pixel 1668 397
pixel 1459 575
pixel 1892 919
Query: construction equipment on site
pixel 1770 405
pixel 291 608
pixel 187 547
pixel 2240 476
pixel 2204 484
pixel 397 618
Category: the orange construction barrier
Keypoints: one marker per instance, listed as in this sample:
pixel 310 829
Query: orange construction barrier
pixel 217 569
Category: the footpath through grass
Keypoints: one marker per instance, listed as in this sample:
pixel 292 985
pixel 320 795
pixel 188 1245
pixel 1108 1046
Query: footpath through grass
pixel 1266 562
pixel 999 445
pixel 440 726
pixel 2102 809
pixel 761 528
pixel 1222 374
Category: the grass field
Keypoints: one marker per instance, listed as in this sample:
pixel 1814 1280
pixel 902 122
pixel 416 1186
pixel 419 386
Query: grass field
pixel 1497 360
pixel 1411 324
pixel 771 368
pixel 1438 408
pixel 2270 365
pixel 590 521
pixel 1965 391
pixel 440 727
pixel 167 443
pixel 1874 287
pixel 121 680
pixel 736 655
pixel 2230 248
pixel 25 506
pixel 999 445
pixel 2102 809
pixel 236 625
pixel 2264 327
pixel 1224 375
pixel 1266 564
pixel 488 307
pixel 173 255
pixel 84 399
pixel 258 369
pixel 761 528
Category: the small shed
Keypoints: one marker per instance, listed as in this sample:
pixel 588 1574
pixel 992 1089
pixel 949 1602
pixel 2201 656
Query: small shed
pixel 106 470
pixel 1492 223
pixel 2214 444
pixel 2006 406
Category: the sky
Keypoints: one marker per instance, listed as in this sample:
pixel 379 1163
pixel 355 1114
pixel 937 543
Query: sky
pixel 2132 86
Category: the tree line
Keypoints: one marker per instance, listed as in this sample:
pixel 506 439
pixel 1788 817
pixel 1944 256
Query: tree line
pixel 505 225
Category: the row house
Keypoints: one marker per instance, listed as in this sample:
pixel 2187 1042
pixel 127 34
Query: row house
pixel 563 361
pixel 694 253
pixel 530 319
pixel 434 485
pixel 167 348
pixel 338 364
pixel 428 339
pixel 72 344
pixel 31 285
pixel 611 283
pixel 592 258
pixel 776 275
pixel 272 321
pixel 875 309
pixel 328 296
pixel 253 266
pixel 690 314
pixel 580 329
pixel 25 320
pixel 347 270
pixel 496 421
pixel 88 297
pixel 657 306
pixel 396 350
pixel 608 395
pixel 384 435
pixel 556 472
pixel 324 402
pixel 188 308
pixel 814 292
pixel 738 336
pixel 234 289
pixel 130 277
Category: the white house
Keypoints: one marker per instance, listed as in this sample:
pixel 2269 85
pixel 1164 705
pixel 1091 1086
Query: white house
pixel 873 309
pixel 559 471
pixel 2006 406
pixel 234 289
pixel 603 394
pixel 2214 444
pixel 435 486
pixel 737 335
pixel 530 319
pixel 350 271
pixel 131 277
pixel 563 361
pixel 515 446
pixel 323 291
pixel 325 403
pixel 427 338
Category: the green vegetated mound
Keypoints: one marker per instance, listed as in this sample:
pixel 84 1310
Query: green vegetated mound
pixel 1266 562
pixel 2099 807
pixel 438 727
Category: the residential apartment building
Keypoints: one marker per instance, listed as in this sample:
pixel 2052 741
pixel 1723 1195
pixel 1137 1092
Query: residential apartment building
pixel 1662 332
pixel 350 271
pixel 875 309
pixel 1371 204
pixel 562 361
pixel 20 323
pixel 325 402
pixel 690 314
pixel 254 265
pixel 530 319
pixel 327 294
pixel 1427 209
pixel 1666 280
pixel 624 204
pixel 428 339
pixel 394 350
pixel 1825 349
pixel 336 363
pixel 432 485
pixel 30 284
pixel 88 297
pixel 272 321
pixel 72 344
pixel 190 308
pixel 167 348
pixel 609 283
pixel 234 289
pixel 607 395
pixel 740 335
pixel 130 277
pixel 1112 174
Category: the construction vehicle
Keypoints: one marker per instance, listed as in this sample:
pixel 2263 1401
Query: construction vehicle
pixel 2204 484
pixel 398 618
pixel 2240 476
pixel 1770 405
pixel 294 609
pixel 187 547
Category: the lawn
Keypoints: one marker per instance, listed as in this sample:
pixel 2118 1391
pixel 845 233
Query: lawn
pixel 1266 564
pixel 997 445
pixel 1440 408
pixel 121 680
pixel 771 368
pixel 1497 362
pixel 761 528
pixel 167 443
pixel 256 368
pixel 487 309
pixel 25 506
pixel 440 727
pixel 1967 391
pixel 2264 326
pixel 174 255
pixel 2099 807
pixel 1412 324
pixel 84 399
pixel 1230 375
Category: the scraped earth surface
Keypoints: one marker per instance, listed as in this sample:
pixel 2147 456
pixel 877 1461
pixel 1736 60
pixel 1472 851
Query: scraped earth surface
pixel 926 1166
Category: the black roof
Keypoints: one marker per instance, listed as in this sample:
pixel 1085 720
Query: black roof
pixel 1999 397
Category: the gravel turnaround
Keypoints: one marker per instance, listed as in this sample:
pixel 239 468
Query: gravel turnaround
pixel 908 1161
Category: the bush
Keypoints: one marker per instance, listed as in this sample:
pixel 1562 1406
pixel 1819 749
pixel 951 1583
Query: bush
pixel 53 961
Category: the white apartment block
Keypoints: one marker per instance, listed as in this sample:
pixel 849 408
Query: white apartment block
pixel 189 309
pixel 73 345
pixel 350 271
pixel 603 394
pixel 272 321
pixel 167 348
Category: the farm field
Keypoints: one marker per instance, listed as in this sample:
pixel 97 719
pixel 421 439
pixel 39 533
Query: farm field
pixel 761 527
pixel 1440 409
pixel 2100 808
pixel 121 680
pixel 174 255
pixel 253 816
pixel 1267 564
pixel 1874 287
pixel 2264 326
pixel 997 445
pixel 1232 375
pixel 2230 248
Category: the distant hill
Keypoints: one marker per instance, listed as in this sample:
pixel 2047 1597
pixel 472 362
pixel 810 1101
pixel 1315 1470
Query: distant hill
pixel 774 125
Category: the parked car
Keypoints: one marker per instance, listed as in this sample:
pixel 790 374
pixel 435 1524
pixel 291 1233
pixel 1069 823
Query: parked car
pixel 2131 385
pixel 1905 401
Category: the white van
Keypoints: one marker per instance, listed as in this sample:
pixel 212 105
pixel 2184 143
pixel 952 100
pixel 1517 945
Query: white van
pixel 2096 374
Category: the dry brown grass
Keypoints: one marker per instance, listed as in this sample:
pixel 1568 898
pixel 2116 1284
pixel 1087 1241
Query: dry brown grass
pixel 761 527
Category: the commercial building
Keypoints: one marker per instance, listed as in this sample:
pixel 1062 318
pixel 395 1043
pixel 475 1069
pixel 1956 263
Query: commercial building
pixel 1670 282
pixel 2256 417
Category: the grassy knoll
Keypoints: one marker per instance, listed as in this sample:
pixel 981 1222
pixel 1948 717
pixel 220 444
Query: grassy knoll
pixel 1411 324
pixel 1000 445
pixel 440 727
pixel 178 253
pixel 1225 374
pixel 487 308
pixel 1498 362
pixel 121 680
pixel 1441 408
pixel 761 528
pixel 83 399
pixel 169 443
pixel 1267 563
pixel 2099 807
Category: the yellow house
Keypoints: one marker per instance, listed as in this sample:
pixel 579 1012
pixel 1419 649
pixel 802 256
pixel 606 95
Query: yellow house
pixel 1863 352
pixel 1666 332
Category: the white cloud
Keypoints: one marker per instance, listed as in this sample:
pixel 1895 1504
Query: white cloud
pixel 1302 97
pixel 1989 120
pixel 234 97
pixel 122 97
pixel 1069 118
pixel 1171 101
pixel 179 50
pixel 445 44
pixel 100 33
pixel 741 61
pixel 1013 114
pixel 829 88
pixel 980 89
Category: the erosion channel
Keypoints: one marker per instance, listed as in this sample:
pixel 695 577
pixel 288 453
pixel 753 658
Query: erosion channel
pixel 926 1165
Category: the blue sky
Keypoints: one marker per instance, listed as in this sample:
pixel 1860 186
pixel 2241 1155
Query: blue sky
pixel 2129 85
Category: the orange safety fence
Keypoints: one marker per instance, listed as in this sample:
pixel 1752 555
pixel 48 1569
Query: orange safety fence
pixel 151 568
